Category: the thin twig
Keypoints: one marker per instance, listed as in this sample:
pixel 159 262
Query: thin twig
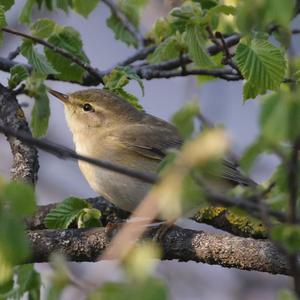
pixel 149 73
pixel 94 72
pixel 65 153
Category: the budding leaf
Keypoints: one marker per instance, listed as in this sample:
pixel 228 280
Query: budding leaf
pixel 65 213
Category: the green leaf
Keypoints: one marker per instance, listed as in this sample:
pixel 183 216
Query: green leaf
pixel 148 289
pixel 43 28
pixel 14 246
pixel 258 15
pixel 25 15
pixel 68 39
pixel 21 198
pixel 37 60
pixel 65 213
pixel 131 74
pixel 89 217
pixel 288 236
pixel 29 281
pixel 184 119
pixel 84 7
pixel 133 100
pixel 196 47
pixel 114 23
pixel 261 63
pixel 2 17
pixel 7 4
pixel 286 295
pixel 216 10
pixel 117 79
pixel 40 115
pixel 251 153
pixel 251 91
pixel 18 73
pixel 166 50
pixel 274 118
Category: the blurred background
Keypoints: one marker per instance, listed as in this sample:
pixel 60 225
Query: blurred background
pixel 220 101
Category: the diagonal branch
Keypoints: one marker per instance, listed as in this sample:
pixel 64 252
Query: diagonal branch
pixel 66 153
pixel 25 158
pixel 178 244
pixel 92 71
pixel 250 205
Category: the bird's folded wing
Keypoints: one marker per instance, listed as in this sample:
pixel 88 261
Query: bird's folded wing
pixel 154 142
pixel 150 141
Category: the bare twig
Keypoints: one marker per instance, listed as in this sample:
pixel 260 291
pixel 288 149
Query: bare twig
pixel 92 71
pixel 150 73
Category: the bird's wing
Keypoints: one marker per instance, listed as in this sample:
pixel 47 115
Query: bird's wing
pixel 152 141
pixel 234 175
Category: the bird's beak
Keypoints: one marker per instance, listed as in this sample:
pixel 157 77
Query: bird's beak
pixel 63 97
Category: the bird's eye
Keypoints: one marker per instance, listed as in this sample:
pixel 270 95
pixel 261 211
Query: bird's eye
pixel 87 107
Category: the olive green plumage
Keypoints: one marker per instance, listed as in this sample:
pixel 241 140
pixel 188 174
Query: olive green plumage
pixel 105 126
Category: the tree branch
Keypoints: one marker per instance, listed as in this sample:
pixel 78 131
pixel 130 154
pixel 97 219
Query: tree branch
pixel 218 217
pixel 227 74
pixel 92 71
pixel 180 244
pixel 25 158
pixel 250 205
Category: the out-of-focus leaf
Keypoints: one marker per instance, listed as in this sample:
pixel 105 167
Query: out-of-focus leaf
pixel 84 7
pixel 43 28
pixel 288 236
pixel 25 15
pixel 184 119
pixel 20 197
pixel 7 4
pixel 29 281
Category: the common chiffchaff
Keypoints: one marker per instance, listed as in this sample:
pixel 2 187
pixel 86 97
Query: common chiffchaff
pixel 106 127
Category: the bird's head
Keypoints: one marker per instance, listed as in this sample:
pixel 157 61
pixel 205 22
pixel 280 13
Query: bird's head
pixel 96 108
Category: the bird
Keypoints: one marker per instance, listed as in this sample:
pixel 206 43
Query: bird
pixel 107 127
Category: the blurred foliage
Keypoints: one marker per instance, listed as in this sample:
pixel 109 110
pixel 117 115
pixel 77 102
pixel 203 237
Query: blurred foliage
pixel 264 62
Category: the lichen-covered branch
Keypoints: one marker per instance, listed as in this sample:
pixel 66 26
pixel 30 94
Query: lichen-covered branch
pixel 25 158
pixel 218 217
pixel 178 244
